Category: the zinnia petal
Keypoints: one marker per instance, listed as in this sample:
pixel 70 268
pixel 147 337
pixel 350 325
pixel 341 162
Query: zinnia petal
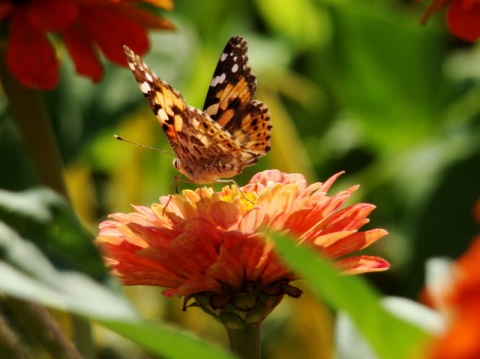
pixel 52 15
pixel 110 29
pixel 145 18
pixel 30 56
pixel 6 8
pixel 463 21
pixel 362 264
pixel 83 52
pixel 460 303
pixel 335 245
pixel 86 26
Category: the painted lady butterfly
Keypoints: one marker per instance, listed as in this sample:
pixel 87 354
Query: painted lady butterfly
pixel 231 133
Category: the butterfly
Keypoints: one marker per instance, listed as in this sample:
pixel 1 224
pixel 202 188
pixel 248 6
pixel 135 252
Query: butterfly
pixel 233 130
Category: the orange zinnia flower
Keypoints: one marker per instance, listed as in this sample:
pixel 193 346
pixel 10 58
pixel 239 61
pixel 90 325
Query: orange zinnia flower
pixel 213 246
pixel 85 26
pixel 460 302
pixel 463 17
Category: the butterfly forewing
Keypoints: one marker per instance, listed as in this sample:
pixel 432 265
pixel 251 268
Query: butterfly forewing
pixel 166 103
pixel 232 87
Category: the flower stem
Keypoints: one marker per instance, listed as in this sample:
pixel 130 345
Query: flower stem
pixel 31 119
pixel 245 343
pixel 10 346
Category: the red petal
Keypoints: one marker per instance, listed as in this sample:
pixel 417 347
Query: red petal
pixel 351 243
pixel 362 264
pixel 6 9
pixel 83 52
pixel 52 15
pixel 148 20
pixel 348 218
pixel 30 56
pixel 111 30
pixel 328 183
pixel 225 215
pixel 464 22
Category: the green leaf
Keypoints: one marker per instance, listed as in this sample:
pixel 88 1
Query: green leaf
pixel 27 274
pixel 351 344
pixel 391 74
pixel 167 341
pixel 389 336
pixel 45 218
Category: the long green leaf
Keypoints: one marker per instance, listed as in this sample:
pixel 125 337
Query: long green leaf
pixel 389 336
pixel 167 341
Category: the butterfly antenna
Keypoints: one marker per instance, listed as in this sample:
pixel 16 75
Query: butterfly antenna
pixel 141 145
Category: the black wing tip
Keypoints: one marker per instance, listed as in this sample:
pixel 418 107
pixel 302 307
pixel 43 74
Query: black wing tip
pixel 239 41
pixel 128 51
pixel 129 54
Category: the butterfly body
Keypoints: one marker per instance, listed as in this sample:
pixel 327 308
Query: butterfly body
pixel 231 133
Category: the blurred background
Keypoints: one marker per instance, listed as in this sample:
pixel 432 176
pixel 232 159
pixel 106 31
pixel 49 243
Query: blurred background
pixel 355 86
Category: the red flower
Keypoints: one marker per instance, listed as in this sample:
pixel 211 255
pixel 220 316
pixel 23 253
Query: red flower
pixel 213 246
pixel 463 17
pixel 85 26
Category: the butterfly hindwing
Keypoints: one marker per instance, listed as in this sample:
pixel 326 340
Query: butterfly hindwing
pixel 255 130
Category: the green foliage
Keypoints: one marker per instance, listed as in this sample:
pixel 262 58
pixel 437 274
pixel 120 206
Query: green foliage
pixel 47 220
pixel 352 295
pixel 167 341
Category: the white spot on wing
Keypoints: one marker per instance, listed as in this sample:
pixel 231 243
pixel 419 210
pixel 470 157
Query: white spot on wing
pixel 235 68
pixel 162 115
pixel 218 80
pixel 149 77
pixel 145 87
pixel 223 57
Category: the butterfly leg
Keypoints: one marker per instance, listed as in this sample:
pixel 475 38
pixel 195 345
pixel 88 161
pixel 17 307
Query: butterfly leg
pixel 231 181
pixel 173 184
